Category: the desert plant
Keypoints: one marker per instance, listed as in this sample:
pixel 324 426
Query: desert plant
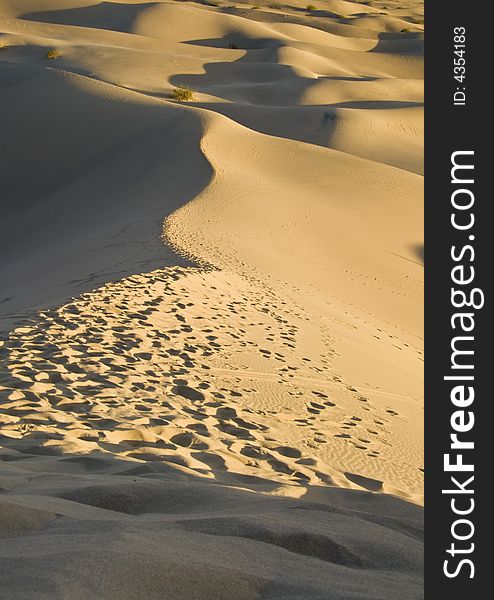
pixel 310 7
pixel 25 428
pixel 53 54
pixel 182 93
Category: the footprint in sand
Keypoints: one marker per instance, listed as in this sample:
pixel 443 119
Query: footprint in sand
pixel 187 392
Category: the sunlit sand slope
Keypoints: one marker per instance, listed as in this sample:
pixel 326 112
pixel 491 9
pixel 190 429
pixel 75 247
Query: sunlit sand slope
pixel 211 358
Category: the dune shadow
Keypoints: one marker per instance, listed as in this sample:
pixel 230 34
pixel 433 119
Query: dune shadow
pixel 87 217
pixel 237 41
pixel 257 78
pixel 419 251
pixel 400 43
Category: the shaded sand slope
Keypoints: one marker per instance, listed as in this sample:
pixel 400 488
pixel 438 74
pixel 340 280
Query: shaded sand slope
pixel 221 395
pixel 88 177
pixel 146 533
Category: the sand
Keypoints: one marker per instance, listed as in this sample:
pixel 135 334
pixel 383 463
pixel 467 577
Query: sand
pixel 211 358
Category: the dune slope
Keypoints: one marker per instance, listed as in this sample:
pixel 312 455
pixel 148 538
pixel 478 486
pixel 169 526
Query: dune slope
pixel 211 358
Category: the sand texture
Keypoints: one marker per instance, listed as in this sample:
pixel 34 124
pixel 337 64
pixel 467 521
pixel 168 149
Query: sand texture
pixel 211 308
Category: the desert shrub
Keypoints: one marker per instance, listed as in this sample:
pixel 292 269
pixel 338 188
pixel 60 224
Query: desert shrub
pixel 310 7
pixel 182 93
pixel 53 53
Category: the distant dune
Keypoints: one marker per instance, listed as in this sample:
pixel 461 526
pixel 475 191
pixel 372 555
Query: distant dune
pixel 211 359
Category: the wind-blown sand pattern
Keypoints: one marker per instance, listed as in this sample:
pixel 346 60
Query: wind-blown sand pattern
pixel 211 360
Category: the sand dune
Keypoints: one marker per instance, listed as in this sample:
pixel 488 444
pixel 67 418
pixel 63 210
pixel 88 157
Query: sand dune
pixel 87 174
pixel 211 359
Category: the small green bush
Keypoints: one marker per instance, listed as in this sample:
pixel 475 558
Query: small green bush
pixel 53 54
pixel 183 93
pixel 310 7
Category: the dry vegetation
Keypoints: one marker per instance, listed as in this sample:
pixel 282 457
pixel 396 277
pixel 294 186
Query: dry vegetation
pixel 53 54
pixel 183 93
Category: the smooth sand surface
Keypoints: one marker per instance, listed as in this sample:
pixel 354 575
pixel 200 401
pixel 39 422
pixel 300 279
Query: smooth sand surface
pixel 211 359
